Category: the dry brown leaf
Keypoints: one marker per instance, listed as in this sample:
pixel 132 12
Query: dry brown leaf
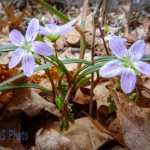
pixel 117 137
pixel 81 135
pixel 52 139
pixel 13 21
pixel 135 122
pixel 73 37
pixel 101 93
pixel 143 92
pixel 30 102
pixel 82 96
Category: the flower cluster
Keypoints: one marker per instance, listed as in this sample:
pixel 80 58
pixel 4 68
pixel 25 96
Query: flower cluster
pixel 27 45
pixel 53 31
pixel 128 63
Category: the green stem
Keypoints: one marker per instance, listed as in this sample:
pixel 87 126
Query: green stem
pixel 66 19
pixel 66 102
pixel 55 49
pixel 62 66
pixel 50 78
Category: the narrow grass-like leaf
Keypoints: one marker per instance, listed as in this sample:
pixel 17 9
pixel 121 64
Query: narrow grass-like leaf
pixel 53 10
pixel 23 85
pixel 83 81
pixel 89 70
pixel 7 48
pixel 42 67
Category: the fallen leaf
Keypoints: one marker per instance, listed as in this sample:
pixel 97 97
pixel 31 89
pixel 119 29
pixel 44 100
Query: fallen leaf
pixel 135 122
pixel 52 139
pixel 13 22
pixel 30 102
pixel 81 135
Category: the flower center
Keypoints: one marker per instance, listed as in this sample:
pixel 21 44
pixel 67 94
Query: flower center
pixel 27 45
pixel 127 62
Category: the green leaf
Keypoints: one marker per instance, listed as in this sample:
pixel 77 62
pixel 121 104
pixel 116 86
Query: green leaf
pixel 83 81
pixel 134 97
pixel 7 48
pixel 23 85
pixel 59 102
pixel 106 29
pixel 91 69
pixel 112 107
pixel 69 61
pixel 53 10
pixel 42 67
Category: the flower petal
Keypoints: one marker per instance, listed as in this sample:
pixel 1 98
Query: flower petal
pixel 114 29
pixel 111 69
pixel 28 64
pixel 41 48
pixel 44 31
pixel 52 27
pixel 137 50
pixel 118 47
pixel 66 27
pixel 16 57
pixel 128 80
pixel 32 29
pixel 16 37
pixel 143 67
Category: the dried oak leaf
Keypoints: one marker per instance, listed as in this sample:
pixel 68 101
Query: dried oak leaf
pixel 12 21
pixel 80 136
pixel 30 102
pixel 51 139
pixel 135 122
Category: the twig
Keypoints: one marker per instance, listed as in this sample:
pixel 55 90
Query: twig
pixel 95 20
pixel 102 35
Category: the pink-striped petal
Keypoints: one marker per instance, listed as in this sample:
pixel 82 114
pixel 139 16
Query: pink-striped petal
pixel 137 50
pixel 16 58
pixel 28 64
pixel 111 69
pixel 143 67
pixel 118 47
pixel 32 29
pixel 44 31
pixel 41 48
pixel 128 80
pixel 16 37
pixel 114 29
pixel 52 27
pixel 66 27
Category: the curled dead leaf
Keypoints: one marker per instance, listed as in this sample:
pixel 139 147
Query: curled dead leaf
pixel 135 122
pixel 30 102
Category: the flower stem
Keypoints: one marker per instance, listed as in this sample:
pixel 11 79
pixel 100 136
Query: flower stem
pixel 50 78
pixel 62 66
pixel 82 51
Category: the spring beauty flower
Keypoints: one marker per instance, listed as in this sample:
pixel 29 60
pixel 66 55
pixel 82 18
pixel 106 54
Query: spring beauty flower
pixel 127 64
pixel 27 46
pixel 54 31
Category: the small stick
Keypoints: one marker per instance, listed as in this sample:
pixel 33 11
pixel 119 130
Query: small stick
pixel 102 34
pixel 95 20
